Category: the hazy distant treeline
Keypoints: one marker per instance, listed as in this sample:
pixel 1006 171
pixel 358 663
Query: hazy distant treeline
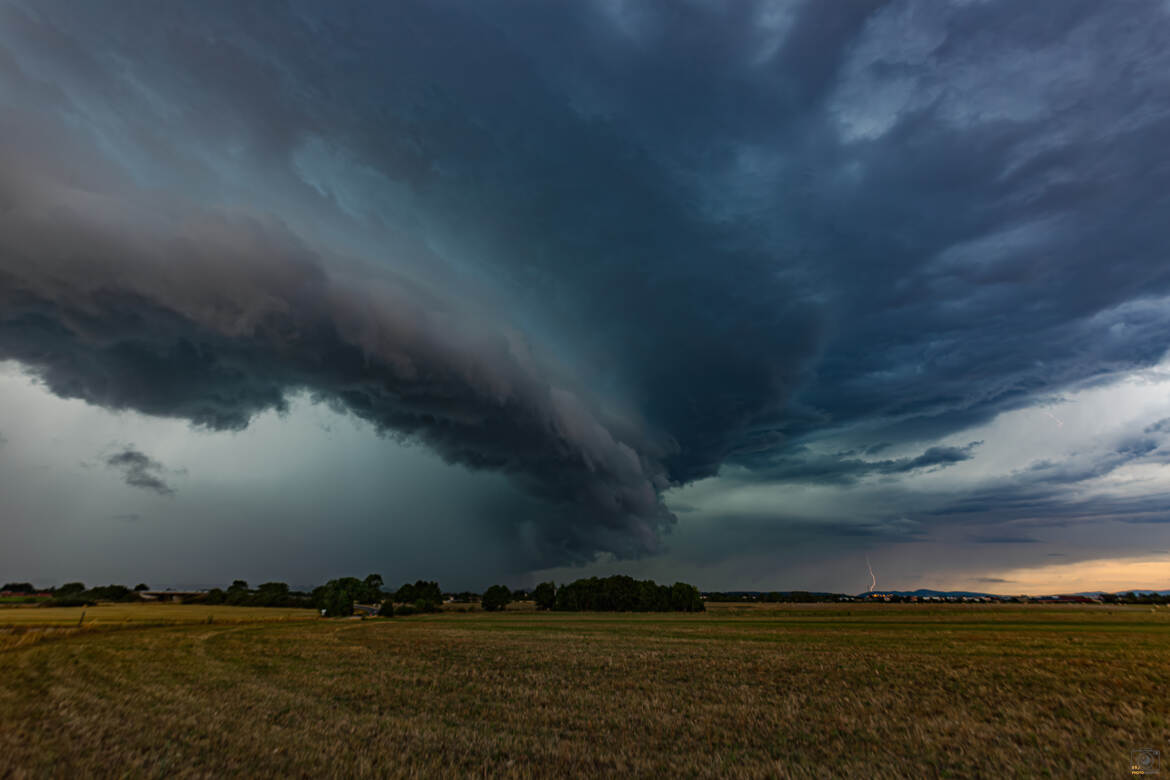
pixel 777 597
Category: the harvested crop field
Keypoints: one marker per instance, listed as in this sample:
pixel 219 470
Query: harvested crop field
pixel 866 690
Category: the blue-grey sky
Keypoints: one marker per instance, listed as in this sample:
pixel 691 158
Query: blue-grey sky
pixel 739 293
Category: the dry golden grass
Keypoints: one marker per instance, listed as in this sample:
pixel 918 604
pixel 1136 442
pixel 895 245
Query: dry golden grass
pixel 143 613
pixel 25 625
pixel 871 691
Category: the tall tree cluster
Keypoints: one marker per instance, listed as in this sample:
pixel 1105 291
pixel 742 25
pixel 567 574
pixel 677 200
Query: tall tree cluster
pixel 618 593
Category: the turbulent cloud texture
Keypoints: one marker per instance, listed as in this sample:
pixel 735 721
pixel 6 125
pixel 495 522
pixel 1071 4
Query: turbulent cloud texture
pixel 800 465
pixel 603 248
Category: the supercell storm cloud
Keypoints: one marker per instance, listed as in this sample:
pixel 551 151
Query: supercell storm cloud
pixel 607 249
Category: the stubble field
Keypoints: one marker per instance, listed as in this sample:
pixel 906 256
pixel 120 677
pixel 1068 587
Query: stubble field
pixel 865 690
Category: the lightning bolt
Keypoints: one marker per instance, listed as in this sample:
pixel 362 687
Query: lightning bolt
pixel 873 579
pixel 1059 422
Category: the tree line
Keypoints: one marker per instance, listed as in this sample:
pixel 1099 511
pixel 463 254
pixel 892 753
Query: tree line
pixel 618 593
pixel 338 597
pixel 1130 597
pixel 267 594
pixel 75 594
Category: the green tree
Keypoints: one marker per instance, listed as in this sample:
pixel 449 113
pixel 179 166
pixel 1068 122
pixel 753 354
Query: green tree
pixel 405 594
pixel 371 589
pixel 685 598
pixel 420 590
pixel 271 594
pixel 336 597
pixel 111 593
pixel 141 587
pixel 620 593
pixel 496 598
pixel 69 588
pixel 545 595
pixel 340 603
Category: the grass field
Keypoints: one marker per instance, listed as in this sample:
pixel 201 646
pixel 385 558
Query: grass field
pixel 105 614
pixel 864 690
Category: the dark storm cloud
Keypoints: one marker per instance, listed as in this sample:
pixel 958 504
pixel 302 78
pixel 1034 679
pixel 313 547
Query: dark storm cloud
pixel 140 470
pixel 733 225
pixel 145 301
pixel 241 316
pixel 1162 426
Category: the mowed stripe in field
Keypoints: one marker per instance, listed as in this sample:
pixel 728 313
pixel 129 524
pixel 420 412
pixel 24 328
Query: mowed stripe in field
pixel 883 693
